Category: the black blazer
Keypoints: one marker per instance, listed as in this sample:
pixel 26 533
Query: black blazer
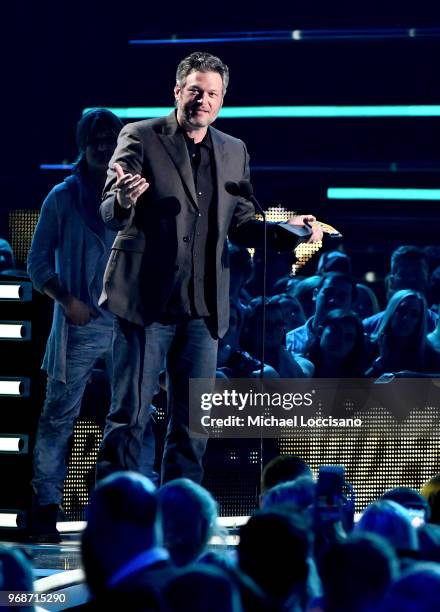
pixel 153 236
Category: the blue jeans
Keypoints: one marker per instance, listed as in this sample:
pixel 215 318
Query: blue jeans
pixel 61 408
pixel 139 355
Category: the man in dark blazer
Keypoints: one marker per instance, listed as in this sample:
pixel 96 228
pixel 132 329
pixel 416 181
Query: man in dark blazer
pixel 167 279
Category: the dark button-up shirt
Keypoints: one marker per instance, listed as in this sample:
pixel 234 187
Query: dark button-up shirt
pixel 193 294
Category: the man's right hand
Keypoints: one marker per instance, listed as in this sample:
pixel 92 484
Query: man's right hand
pixel 78 312
pixel 129 187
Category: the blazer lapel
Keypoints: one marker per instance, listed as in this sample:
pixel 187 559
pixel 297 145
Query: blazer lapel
pixel 219 155
pixel 174 143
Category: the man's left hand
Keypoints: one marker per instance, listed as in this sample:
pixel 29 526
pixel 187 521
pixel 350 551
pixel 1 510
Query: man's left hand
pixel 308 220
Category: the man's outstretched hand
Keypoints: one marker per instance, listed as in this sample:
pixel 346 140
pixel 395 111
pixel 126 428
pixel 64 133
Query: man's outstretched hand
pixel 129 187
pixel 310 221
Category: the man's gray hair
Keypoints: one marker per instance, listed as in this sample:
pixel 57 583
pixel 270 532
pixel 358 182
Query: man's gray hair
pixel 202 62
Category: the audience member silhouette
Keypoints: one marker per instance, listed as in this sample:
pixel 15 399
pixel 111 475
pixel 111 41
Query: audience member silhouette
pixel 299 494
pixel 357 573
pixel 418 590
pixel 16 575
pixel 273 550
pixel 283 468
pixel 189 519
pixel 275 355
pixel 336 290
pixel 202 589
pixel 401 336
pixel 431 492
pixel 410 499
pixel 334 261
pixel 393 522
pixel 409 270
pixel 123 556
pixel 304 291
pixel 292 310
pixel 338 349
pixel 367 303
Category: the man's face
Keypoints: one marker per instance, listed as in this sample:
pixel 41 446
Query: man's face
pixel 199 100
pixel 100 148
pixel 334 293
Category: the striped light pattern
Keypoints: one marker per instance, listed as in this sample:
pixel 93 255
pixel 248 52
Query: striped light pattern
pixel 12 444
pixel 11 387
pixel 11 291
pixel 56 166
pixel 8 519
pixel 259 112
pixel 15 331
pixel 293 35
pixel 15 386
pixel 383 193
pixel 14 290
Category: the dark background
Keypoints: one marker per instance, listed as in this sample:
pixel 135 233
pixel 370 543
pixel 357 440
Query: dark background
pixel 60 58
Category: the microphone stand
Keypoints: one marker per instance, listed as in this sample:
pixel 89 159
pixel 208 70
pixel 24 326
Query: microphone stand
pixel 244 189
pixel 261 210
pixel 257 205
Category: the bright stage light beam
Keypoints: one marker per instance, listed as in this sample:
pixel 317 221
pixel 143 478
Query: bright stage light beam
pixel 11 444
pixel 383 193
pixel 14 331
pixel 291 112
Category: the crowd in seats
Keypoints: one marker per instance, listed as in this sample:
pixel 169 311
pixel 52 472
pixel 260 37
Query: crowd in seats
pixel 333 324
pixel 149 550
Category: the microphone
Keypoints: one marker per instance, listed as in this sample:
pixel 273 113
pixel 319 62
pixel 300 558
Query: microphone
pixel 242 188
pixel 232 188
pixel 247 190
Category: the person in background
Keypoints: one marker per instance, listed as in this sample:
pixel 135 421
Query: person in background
pixel 409 270
pixel 189 519
pixel 304 291
pixel 240 266
pixel 334 261
pixel 6 255
pixel 274 550
pixel 202 588
pixel 367 303
pixel 16 576
pixel 283 468
pixel 335 290
pixel 123 555
pixel 275 353
pixel 401 337
pixel 417 590
pixel 292 310
pixel 298 494
pixel 356 574
pixel 433 337
pixel 232 361
pixel 69 251
pixel 339 349
pixel 410 499
pixel 431 492
pixel 393 522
